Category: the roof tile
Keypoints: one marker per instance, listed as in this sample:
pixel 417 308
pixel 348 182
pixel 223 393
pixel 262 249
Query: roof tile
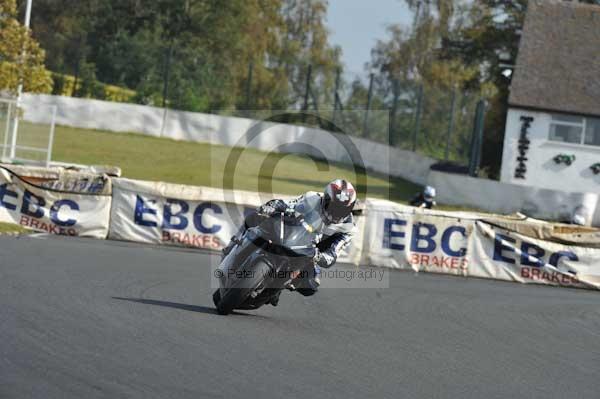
pixel 558 65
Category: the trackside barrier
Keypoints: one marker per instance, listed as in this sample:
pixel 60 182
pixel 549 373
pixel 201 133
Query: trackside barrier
pixel 504 255
pixel 51 210
pixel 174 214
pixel 171 214
pixel 402 237
pixel 495 196
pixel 389 235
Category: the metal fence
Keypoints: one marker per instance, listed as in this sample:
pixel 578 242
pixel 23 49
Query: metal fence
pixel 22 141
pixel 437 122
pixel 433 121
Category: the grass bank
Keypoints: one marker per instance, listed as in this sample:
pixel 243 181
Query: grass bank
pixel 149 158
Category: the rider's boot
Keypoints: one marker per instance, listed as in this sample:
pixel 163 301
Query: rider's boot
pixel 317 276
pixel 309 285
pixel 275 299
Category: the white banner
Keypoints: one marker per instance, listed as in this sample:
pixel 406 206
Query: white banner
pixel 408 238
pixel 457 243
pixel 172 214
pixel 52 211
pixel 501 254
pixel 84 181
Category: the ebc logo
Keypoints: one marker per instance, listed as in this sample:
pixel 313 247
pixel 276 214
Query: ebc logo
pixel 34 207
pixel 532 259
pixel 423 237
pixel 176 215
pixel 530 254
pixel 424 241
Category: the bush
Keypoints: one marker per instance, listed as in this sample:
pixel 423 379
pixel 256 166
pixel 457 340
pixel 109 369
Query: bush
pixel 58 85
pixel 88 79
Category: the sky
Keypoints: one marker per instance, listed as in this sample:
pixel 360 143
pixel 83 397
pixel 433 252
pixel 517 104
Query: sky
pixel 355 25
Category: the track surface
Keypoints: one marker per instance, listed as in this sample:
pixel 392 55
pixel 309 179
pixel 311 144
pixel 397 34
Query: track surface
pixel 64 333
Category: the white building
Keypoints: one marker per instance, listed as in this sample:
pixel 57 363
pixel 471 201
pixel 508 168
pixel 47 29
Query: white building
pixel 552 137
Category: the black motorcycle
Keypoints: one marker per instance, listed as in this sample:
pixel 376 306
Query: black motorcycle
pixel 265 260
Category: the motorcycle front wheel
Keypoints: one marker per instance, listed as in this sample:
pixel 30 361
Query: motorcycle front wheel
pixel 239 291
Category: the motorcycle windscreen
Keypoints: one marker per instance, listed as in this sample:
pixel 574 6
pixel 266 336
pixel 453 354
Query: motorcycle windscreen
pixel 294 235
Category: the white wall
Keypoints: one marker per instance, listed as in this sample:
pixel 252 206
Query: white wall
pixel 230 131
pixel 499 197
pixel 542 171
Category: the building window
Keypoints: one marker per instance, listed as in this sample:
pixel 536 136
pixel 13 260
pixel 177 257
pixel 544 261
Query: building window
pixel 592 131
pixel 575 129
pixel 567 129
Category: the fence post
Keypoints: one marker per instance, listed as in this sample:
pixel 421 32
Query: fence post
pixel 249 84
pixel 335 96
pixel 418 117
pixel 306 93
pixel 450 124
pixel 166 88
pixel 79 55
pixel 74 91
pixel 307 88
pixel 7 130
pixel 51 138
pixel 477 138
pixel 392 132
pixel 15 129
pixel 315 101
pixel 369 99
pixel 166 75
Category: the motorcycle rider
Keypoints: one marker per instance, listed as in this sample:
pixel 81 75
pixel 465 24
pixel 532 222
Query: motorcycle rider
pixel 329 212
pixel 425 199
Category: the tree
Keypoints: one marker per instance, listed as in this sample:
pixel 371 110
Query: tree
pixel 304 43
pixel 413 70
pixel 21 58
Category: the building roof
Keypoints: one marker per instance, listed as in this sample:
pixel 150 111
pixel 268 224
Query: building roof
pixel 558 65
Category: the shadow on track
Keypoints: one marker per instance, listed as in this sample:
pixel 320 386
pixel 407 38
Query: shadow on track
pixel 175 305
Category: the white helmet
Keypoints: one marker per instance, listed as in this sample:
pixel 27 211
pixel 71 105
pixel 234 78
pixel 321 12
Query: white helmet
pixel 578 219
pixel 338 200
pixel 429 193
pixel 578 216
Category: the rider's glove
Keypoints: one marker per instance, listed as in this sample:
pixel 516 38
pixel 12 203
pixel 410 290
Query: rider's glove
pixel 267 210
pixel 320 259
pixel 291 212
pixel 272 207
pixel 317 257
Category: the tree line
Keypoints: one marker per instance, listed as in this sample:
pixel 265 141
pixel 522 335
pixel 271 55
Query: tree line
pixel 206 46
pixel 268 55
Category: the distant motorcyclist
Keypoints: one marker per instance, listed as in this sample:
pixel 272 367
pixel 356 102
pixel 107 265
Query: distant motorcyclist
pixel 578 216
pixel 425 198
pixel 329 212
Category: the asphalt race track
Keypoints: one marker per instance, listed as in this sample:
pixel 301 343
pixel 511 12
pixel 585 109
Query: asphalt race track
pixel 94 319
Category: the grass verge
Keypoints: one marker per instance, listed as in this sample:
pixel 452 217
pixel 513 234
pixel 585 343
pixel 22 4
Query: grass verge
pixel 149 158
pixel 12 228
